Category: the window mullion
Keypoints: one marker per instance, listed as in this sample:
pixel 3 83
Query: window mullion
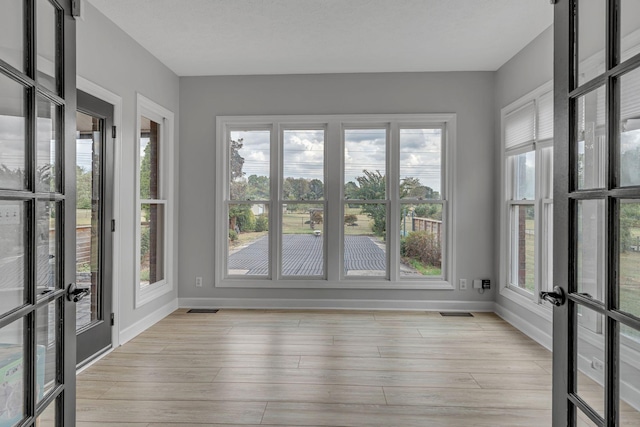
pixel 393 207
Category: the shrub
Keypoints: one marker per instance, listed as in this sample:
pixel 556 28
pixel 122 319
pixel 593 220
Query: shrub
pixel 262 223
pixel 350 219
pixel 424 247
pixel 246 220
pixel 403 247
pixel 233 236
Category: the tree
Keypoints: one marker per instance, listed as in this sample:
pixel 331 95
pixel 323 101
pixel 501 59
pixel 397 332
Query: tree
pixel 237 183
pixel 83 185
pixel 370 186
pixel 316 189
pixel 412 188
pixel 258 187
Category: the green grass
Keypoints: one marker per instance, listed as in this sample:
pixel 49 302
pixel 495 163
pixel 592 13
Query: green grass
pixel 425 270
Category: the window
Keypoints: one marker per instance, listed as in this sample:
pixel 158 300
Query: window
pixel 335 201
pixel 154 153
pixel 528 173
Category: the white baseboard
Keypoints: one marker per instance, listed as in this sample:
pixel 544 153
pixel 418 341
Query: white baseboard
pixel 335 304
pixel 533 332
pixel 148 321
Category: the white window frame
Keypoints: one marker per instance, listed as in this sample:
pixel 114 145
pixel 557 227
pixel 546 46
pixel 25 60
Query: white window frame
pixel 543 179
pixel 333 200
pixel 151 110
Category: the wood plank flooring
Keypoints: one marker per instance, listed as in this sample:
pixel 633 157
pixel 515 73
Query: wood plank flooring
pixel 320 368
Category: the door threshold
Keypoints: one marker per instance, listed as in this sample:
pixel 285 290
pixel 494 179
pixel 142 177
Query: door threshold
pixel 93 359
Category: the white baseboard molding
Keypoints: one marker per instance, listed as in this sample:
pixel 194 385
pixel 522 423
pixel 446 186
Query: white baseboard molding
pixel 140 326
pixel 533 332
pixel 335 304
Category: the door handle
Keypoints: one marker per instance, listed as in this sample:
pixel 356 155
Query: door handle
pixel 75 294
pixel 556 297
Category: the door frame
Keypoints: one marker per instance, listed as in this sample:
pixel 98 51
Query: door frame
pixel 106 95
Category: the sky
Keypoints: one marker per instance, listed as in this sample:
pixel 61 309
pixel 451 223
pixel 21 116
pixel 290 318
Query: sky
pixel 303 153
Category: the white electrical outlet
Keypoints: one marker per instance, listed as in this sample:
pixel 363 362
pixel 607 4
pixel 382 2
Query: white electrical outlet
pixel 198 282
pixel 597 364
pixel 463 284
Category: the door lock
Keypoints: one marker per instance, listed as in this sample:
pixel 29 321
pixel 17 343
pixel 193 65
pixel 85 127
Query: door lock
pixel 556 297
pixel 75 294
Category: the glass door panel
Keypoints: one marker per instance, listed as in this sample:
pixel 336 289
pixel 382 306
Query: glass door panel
pixel 590 358
pixel 629 376
pixel 12 255
pixel 47 30
pixel 12 373
pixel 591 25
pixel 88 216
pixel 12 33
pixel 12 134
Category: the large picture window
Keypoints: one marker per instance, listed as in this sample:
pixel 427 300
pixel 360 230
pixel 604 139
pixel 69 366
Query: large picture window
pixel 527 178
pixel 154 150
pixel 335 201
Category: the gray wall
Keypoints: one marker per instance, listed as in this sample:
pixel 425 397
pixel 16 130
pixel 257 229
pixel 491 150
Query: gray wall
pixel 469 94
pixel 110 58
pixel 529 69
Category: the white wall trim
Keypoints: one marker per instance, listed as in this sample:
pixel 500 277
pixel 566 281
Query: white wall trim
pixel 146 322
pixel 106 95
pixel 336 304
pixel 533 332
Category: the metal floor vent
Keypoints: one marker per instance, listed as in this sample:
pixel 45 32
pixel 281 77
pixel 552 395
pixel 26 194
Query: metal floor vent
pixel 203 310
pixel 455 314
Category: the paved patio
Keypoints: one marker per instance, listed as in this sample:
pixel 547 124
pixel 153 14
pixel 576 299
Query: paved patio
pixel 302 256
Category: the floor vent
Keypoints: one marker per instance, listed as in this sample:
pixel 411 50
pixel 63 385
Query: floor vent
pixel 455 314
pixel 203 310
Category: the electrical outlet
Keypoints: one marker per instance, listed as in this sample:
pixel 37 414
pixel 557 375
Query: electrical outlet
pixel 198 282
pixel 597 364
pixel 463 284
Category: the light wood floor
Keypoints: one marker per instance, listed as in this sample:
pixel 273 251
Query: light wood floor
pixel 320 368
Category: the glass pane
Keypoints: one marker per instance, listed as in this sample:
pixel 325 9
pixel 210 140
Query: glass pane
pixel 47 29
pixel 47 341
pixel 149 159
pixel 630 256
pixel 48 417
pixel 421 163
pixel 629 376
pixel 421 234
pixel 248 240
pixel 47 250
pixel 591 39
pixel 592 139
pixel 584 421
pixel 12 373
pixel 303 167
pixel 524 176
pixel 12 134
pixel 151 244
pixel 523 256
pixel 590 358
pixel 302 239
pixel 590 250
pixel 546 282
pixel 365 153
pixel 630 128
pixel 12 33
pixel 365 249
pixel 249 159
pixel 88 215
pixel 12 255
pixel 629 28
pixel 47 141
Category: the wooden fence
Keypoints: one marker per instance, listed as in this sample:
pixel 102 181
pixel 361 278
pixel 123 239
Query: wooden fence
pixel 427 224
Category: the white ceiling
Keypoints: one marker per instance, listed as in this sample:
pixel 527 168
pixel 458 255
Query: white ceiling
pixel 235 37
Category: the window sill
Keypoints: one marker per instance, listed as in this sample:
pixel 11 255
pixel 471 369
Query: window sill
pixel 151 292
pixel 526 303
pixel 324 284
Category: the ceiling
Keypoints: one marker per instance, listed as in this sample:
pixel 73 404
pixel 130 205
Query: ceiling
pixel 239 37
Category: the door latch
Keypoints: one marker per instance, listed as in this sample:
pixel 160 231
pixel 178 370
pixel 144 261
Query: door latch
pixel 75 293
pixel 556 297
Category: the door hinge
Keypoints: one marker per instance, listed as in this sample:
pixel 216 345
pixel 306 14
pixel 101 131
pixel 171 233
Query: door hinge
pixel 113 225
pixel 113 319
pixel 113 132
